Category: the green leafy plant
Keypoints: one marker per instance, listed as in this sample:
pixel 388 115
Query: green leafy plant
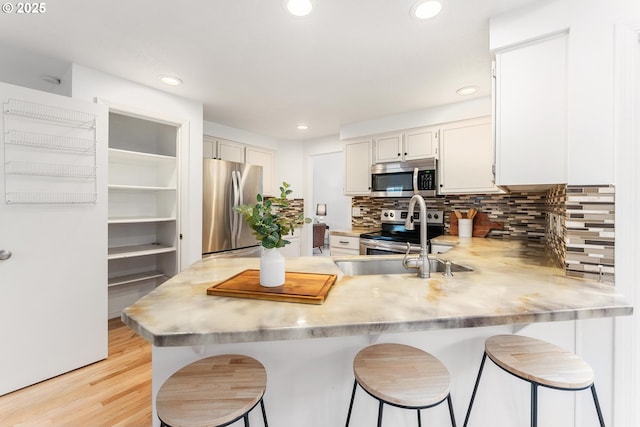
pixel 268 220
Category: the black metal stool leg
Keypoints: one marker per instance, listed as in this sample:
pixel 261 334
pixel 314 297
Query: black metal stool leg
pixel 419 419
pixel 264 413
pixel 246 420
pixel 475 389
pixel 380 414
pixel 453 418
pixel 595 400
pixel 534 405
pixel 353 395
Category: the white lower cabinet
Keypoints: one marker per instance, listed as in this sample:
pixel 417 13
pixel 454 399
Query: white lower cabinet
pixel 143 208
pixel 344 245
pixel 466 157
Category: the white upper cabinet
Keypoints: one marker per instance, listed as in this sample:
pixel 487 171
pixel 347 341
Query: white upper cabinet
pixel 420 143
pixel 231 151
pixel 388 148
pixel 218 148
pixel 531 113
pixel 265 158
pixel 413 144
pixel 357 168
pixel 466 157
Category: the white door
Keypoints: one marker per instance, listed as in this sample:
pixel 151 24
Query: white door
pixel 53 235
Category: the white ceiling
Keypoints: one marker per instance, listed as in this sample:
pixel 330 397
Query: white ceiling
pixel 257 68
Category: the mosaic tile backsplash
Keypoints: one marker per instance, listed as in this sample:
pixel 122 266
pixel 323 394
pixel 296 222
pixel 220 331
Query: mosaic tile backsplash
pixel 590 232
pixel 574 223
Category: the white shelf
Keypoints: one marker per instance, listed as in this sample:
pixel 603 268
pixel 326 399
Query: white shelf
pixel 119 155
pixel 137 220
pixel 140 188
pixel 133 278
pixel 138 251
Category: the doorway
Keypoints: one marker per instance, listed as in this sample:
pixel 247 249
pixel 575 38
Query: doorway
pixel 328 185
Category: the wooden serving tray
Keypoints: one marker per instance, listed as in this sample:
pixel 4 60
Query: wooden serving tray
pixel 308 288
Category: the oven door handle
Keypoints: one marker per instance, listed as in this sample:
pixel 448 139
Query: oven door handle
pixel 399 248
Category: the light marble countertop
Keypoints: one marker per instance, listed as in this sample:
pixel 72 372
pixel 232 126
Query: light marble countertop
pixel 351 232
pixel 510 284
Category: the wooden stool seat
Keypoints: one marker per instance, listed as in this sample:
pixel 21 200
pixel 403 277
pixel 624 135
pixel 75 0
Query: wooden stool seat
pixel 402 376
pixel 539 361
pixel 214 391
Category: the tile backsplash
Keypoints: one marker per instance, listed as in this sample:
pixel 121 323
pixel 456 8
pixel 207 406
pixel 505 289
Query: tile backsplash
pixel 574 223
pixel 590 232
pixel 523 214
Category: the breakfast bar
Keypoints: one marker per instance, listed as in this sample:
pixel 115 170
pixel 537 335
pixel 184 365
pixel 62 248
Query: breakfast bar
pixel 308 349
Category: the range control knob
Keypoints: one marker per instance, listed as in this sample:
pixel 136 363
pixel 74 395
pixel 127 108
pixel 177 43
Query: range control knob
pixel 435 216
pixel 391 214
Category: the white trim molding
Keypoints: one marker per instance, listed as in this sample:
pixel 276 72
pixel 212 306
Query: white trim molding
pixel 627 140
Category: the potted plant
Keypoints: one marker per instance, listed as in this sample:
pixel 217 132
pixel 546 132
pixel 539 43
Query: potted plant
pixel 270 223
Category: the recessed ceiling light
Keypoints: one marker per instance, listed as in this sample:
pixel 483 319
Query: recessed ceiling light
pixel 467 90
pixel 170 80
pixel 426 9
pixel 299 7
pixel 303 127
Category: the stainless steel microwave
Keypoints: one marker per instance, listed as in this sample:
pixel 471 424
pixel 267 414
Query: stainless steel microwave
pixel 404 179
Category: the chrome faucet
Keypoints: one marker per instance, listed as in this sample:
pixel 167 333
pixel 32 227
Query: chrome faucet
pixel 421 262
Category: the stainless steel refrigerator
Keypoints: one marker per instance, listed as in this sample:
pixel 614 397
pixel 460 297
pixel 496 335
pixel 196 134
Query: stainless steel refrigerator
pixel 225 185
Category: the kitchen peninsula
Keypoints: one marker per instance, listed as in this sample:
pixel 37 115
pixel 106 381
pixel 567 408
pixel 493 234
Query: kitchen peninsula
pixel 308 349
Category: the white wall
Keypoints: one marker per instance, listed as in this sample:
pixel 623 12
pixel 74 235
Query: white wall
pixel 238 135
pixel 476 107
pixel 90 84
pixel 627 132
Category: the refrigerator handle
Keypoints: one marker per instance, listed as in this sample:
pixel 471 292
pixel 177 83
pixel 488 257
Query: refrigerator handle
pixel 240 202
pixel 234 214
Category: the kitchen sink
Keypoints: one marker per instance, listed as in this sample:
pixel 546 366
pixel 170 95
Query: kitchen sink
pixel 373 265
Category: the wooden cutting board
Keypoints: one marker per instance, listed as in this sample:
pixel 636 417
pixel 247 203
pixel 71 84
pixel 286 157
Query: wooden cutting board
pixel 482 225
pixel 308 288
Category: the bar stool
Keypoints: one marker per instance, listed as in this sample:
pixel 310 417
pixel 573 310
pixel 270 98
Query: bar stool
pixel 213 392
pixel 539 363
pixel 401 376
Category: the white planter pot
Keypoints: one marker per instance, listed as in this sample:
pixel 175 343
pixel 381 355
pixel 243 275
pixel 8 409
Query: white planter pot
pixel 271 268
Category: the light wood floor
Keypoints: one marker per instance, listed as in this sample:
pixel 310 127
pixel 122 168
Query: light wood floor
pixel 112 392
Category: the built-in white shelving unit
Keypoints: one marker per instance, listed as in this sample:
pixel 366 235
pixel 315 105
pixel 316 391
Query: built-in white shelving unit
pixel 143 204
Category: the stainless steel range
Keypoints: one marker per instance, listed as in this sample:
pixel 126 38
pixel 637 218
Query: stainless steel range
pixel 393 237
